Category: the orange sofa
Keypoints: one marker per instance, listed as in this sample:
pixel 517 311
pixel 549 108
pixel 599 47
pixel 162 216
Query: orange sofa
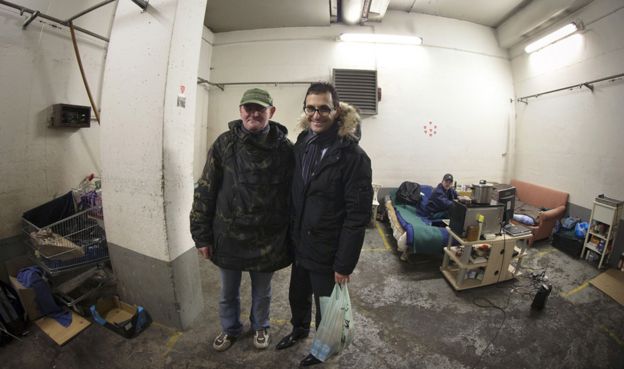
pixel 541 197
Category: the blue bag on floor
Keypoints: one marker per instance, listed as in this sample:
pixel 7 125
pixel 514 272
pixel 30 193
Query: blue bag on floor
pixel 335 332
pixel 570 222
pixel 581 229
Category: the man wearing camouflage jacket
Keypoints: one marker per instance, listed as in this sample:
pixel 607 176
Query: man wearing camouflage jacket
pixel 240 213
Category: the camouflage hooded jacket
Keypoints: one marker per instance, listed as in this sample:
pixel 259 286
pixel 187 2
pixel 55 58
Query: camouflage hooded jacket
pixel 240 207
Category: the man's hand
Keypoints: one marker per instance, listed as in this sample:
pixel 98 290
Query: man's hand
pixel 205 251
pixel 341 278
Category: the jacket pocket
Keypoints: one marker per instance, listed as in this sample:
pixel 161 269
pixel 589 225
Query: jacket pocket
pixel 321 246
pixel 261 197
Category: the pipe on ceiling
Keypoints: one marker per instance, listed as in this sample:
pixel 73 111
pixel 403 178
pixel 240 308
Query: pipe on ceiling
pixel 377 10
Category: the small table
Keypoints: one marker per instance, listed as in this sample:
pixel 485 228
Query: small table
pixel 501 264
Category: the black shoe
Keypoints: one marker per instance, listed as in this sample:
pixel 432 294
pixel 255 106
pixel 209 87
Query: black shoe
pixel 309 360
pixel 291 339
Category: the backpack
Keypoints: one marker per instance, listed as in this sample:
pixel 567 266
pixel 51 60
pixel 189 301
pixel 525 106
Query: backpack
pixel 408 193
pixel 12 317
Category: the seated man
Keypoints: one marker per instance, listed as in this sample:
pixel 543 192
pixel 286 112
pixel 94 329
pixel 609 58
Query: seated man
pixel 442 198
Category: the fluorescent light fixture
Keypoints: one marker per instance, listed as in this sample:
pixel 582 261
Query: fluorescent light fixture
pixel 379 38
pixel 352 11
pixel 552 37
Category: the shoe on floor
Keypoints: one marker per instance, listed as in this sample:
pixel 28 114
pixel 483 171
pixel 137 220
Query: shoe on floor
pixel 261 339
pixel 223 342
pixel 309 360
pixel 291 339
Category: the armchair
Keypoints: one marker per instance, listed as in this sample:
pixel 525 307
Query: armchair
pixel 542 197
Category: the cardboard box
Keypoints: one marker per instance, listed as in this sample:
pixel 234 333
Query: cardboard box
pixel 611 282
pixel 61 334
pixel 27 296
pixel 120 317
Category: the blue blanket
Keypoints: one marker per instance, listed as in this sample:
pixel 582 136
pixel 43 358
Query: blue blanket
pixel 32 277
pixel 422 237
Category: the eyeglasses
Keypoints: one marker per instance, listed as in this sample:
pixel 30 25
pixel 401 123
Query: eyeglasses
pixel 323 110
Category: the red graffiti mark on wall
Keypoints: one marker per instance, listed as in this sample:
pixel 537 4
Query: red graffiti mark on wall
pixel 430 129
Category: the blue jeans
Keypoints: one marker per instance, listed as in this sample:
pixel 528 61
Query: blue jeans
pixel 229 305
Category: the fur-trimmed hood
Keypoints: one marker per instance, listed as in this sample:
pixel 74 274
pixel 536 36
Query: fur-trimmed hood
pixel 349 121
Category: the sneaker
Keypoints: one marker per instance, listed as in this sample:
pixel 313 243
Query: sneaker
pixel 261 339
pixel 223 342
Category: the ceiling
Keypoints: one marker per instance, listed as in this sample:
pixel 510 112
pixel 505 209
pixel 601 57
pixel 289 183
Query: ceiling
pixel 513 20
pixel 235 15
pixel 489 13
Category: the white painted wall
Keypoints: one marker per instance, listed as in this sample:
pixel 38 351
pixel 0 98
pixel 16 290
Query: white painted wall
pixel 459 79
pixel 38 69
pixel 148 138
pixel 572 140
pixel 201 112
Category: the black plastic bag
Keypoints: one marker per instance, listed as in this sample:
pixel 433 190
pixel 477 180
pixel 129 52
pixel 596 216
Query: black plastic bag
pixel 408 193
pixel 12 320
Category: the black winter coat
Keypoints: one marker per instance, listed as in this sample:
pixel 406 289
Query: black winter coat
pixel 331 212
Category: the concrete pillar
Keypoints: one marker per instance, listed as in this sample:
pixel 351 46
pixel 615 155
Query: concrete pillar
pixel 148 112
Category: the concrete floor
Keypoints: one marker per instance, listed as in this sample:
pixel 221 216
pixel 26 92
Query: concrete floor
pixel 406 316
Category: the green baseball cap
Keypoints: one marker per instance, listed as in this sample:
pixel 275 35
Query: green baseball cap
pixel 257 96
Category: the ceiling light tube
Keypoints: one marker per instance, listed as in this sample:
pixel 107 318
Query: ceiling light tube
pixel 552 37
pixel 352 11
pixel 380 38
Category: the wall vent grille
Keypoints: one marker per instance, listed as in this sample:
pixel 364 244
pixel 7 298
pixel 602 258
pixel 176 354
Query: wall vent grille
pixel 358 88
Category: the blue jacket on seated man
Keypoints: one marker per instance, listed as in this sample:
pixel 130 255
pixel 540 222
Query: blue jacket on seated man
pixel 442 198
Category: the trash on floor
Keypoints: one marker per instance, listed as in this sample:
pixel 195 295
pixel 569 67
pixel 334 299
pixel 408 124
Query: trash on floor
pixel 120 317
pixel 33 277
pixel 27 296
pixel 61 334
pixel 611 282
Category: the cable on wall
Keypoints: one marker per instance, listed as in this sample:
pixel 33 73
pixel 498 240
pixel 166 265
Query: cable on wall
pixel 82 73
pixel 72 29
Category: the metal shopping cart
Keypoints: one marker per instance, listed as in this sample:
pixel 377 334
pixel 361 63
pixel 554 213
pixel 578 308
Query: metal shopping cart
pixel 65 241
pixel 70 243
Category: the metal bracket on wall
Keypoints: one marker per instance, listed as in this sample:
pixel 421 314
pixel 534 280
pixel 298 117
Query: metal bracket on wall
pixel 222 85
pixel 589 85
pixel 36 13
pixel 141 3
pixel 30 19
pixel 201 81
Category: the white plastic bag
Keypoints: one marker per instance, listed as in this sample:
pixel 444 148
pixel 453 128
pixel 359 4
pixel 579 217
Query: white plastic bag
pixel 335 332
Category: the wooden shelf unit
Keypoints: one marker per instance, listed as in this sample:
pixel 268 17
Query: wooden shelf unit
pixel 501 264
pixel 606 213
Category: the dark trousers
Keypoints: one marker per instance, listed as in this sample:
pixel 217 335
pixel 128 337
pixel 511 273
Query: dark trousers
pixel 303 284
